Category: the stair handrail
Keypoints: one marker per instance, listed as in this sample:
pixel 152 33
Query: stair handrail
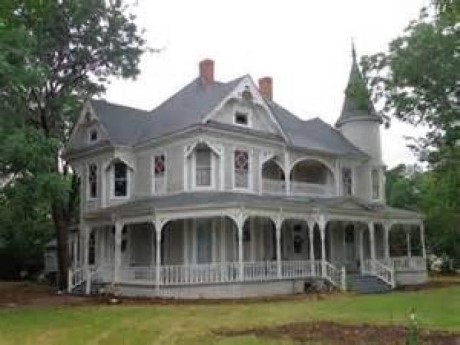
pixel 384 272
pixel 334 275
pixel 75 277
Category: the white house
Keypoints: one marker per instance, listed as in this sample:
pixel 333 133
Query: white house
pixel 221 192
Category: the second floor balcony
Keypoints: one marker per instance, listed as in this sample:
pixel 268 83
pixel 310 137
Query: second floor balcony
pixel 306 178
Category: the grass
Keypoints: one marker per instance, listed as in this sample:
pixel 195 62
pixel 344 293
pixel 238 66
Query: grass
pixel 194 323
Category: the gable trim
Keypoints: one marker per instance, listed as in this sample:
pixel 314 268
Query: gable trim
pixel 246 80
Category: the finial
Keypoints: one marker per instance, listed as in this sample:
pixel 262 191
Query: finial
pixel 353 50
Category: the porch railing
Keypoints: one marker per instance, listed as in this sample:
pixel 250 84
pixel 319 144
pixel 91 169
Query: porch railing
pixel 229 272
pixel 260 270
pixel 406 264
pixel 271 186
pixel 380 270
pixel 199 274
pixel 304 188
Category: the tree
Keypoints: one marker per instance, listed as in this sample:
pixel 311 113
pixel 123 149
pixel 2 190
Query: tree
pixel 417 81
pixel 54 55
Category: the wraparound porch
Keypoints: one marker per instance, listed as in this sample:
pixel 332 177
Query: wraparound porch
pixel 242 245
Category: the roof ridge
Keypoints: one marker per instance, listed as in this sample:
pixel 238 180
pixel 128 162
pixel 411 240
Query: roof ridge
pixel 119 105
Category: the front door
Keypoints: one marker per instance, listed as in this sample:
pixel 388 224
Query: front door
pixel 204 241
pixel 350 248
pixel 299 242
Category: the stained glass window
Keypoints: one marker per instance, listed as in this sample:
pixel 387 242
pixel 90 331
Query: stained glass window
pixel 241 167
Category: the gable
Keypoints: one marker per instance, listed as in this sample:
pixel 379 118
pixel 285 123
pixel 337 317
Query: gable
pixel 245 101
pixel 88 130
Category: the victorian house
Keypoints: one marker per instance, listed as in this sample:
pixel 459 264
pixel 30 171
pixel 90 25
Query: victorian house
pixel 220 192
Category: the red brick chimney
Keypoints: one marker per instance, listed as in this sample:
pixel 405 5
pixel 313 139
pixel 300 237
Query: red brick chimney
pixel 207 72
pixel 266 87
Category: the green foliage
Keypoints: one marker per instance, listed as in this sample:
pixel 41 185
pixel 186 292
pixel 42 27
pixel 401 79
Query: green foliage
pixel 412 334
pixel 54 55
pixel 435 194
pixel 418 78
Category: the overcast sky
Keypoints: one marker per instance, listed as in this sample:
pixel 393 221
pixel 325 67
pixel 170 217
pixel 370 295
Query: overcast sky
pixel 303 45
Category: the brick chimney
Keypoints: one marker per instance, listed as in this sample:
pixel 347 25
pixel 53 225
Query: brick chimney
pixel 266 87
pixel 207 72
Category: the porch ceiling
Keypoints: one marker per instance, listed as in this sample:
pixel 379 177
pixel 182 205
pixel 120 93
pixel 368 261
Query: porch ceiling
pixel 334 207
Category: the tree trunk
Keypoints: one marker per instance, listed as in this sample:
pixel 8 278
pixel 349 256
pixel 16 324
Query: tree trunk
pixel 61 227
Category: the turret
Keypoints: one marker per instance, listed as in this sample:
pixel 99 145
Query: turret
pixel 359 121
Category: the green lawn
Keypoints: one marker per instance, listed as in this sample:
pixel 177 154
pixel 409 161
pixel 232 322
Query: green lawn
pixel 193 323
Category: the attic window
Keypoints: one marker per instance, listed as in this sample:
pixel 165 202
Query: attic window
pixel 93 135
pixel 241 118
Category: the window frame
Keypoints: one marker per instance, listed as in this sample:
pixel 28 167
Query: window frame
pixel 113 180
pixel 90 131
pixel 153 172
pixel 89 186
pixel 378 197
pixel 212 173
pixel 244 111
pixel 352 187
pixel 249 185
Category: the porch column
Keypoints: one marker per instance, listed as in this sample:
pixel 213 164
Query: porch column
pixel 287 177
pixel 158 229
pixel 311 229
pixel 240 224
pixel 422 239
pixel 372 239
pixel 361 248
pixel 322 231
pixel 278 225
pixel 409 249
pixel 386 240
pixel 85 232
pixel 117 256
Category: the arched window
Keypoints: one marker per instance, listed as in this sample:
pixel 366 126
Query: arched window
pixel 241 169
pixel 203 168
pixel 92 181
pixel 120 179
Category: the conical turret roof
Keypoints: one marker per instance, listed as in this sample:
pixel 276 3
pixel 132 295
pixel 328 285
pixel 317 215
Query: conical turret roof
pixel 357 104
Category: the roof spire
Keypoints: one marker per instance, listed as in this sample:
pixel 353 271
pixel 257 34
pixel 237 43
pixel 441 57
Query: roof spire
pixel 353 50
pixel 357 103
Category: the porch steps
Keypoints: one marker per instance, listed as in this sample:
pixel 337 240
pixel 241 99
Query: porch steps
pixel 366 284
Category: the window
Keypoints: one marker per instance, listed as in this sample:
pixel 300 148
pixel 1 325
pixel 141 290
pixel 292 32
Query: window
pixel 92 180
pixel 375 178
pixel 298 244
pixel 347 181
pixel 93 135
pixel 159 173
pixel 159 165
pixel 120 182
pixel 92 249
pixel 350 233
pixel 203 167
pixel 241 168
pixel 241 118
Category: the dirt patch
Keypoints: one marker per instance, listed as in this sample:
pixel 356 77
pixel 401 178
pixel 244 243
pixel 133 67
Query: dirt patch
pixel 18 294
pixel 436 282
pixel 338 334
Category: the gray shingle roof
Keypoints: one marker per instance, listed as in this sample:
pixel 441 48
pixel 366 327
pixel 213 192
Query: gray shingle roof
pixel 122 123
pixel 188 107
pixel 313 134
pixel 217 199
